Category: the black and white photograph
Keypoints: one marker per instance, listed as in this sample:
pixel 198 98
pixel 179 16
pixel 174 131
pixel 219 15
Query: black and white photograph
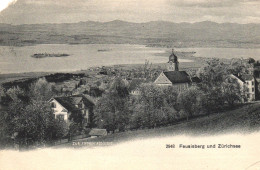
pixel 130 84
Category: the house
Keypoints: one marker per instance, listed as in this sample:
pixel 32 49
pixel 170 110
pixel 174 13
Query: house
pixel 63 107
pixel 173 77
pixel 248 85
pixel 97 133
pixel 179 79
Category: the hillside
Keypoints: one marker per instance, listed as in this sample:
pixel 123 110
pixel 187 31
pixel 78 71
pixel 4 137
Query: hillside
pixel 156 33
pixel 245 119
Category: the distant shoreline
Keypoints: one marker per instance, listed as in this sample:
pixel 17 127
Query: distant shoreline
pixel 196 63
pixel 254 46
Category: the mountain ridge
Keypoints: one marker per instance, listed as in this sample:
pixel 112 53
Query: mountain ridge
pixel 153 33
pixel 122 21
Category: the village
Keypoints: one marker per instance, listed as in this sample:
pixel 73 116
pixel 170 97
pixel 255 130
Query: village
pixel 107 100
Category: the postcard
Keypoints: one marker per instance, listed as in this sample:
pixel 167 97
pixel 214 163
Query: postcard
pixel 130 84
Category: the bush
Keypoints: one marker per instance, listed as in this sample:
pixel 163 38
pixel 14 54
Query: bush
pixel 190 101
pixel 154 107
pixel 183 114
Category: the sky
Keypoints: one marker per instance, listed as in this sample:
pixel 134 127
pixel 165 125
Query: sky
pixel 68 11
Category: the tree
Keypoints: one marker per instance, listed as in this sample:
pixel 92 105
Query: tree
pixel 232 91
pixel 29 116
pixel 170 95
pixel 213 74
pixel 251 60
pixel 240 66
pixel 15 94
pixel 190 101
pixel 218 89
pixel 32 122
pixel 77 123
pixel 2 94
pixel 6 131
pixel 111 110
pixel 119 87
pixel 41 90
pixel 59 130
pixel 154 107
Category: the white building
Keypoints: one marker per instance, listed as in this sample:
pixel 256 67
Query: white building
pixel 179 79
pixel 63 107
pixel 248 85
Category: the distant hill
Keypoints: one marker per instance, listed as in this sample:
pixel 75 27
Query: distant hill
pixel 155 33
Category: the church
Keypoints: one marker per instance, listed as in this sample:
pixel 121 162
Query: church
pixel 173 77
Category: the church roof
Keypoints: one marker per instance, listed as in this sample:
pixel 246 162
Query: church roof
pixel 177 76
pixel 196 79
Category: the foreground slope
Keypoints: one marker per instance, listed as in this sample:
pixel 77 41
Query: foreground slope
pixel 245 119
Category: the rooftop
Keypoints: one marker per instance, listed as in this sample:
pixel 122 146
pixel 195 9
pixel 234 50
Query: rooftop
pixel 70 102
pixel 177 76
pixel 245 77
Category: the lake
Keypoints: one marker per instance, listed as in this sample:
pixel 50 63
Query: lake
pixel 224 52
pixel 83 56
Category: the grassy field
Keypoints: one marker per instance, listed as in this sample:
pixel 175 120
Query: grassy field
pixel 245 119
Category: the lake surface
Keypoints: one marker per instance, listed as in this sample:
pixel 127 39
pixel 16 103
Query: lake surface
pixel 83 56
pixel 224 52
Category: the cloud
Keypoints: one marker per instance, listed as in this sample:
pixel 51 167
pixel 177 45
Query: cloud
pixel 5 3
pixel 50 11
pixel 206 3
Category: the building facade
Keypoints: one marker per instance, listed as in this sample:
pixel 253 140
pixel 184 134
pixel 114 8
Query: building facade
pixel 178 79
pixel 173 77
pixel 63 107
pixel 247 84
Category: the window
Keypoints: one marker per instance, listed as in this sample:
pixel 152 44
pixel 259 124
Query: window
pixel 253 89
pixel 81 105
pixel 252 83
pixel 60 117
pixel 53 105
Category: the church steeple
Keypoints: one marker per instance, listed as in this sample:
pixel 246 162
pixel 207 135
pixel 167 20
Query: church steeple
pixel 173 59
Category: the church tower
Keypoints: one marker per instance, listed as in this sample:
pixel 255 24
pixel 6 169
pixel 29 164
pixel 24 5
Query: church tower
pixel 173 63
